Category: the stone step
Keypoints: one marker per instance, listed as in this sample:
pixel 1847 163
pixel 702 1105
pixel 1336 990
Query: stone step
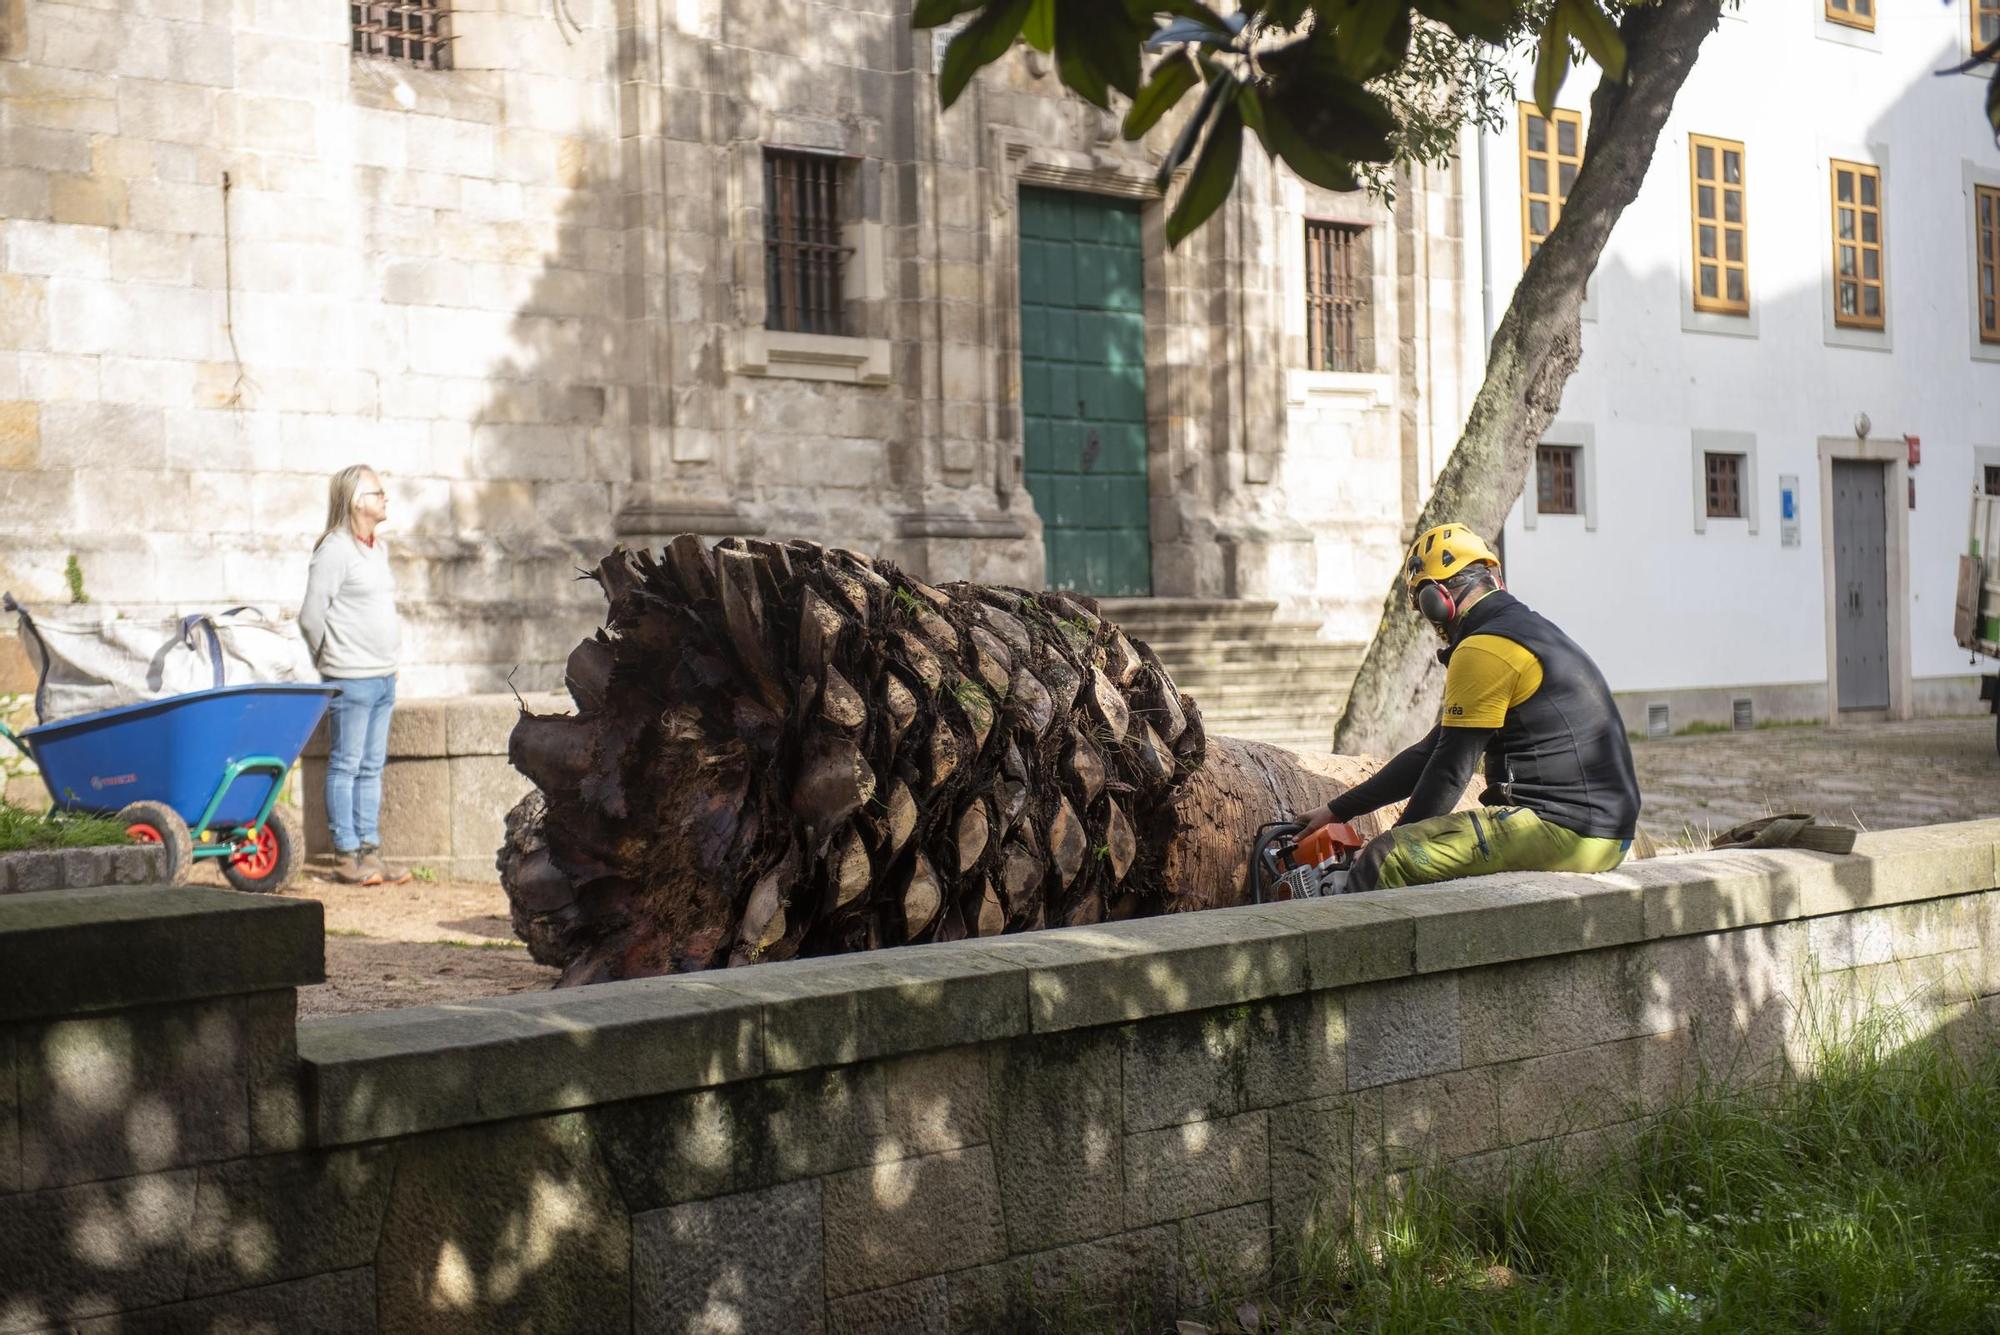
pixel 1185 654
pixel 1152 611
pixel 1274 698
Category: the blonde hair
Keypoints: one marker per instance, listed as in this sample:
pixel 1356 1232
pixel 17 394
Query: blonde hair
pixel 340 500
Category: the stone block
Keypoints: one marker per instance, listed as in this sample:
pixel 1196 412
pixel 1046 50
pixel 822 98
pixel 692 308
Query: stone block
pixel 87 201
pixel 1403 1028
pixel 24 192
pixel 513 1227
pixel 1297 1050
pixel 335 1304
pixel 48 248
pixel 113 1095
pixel 20 434
pixel 1897 932
pixel 391 1073
pixel 1350 940
pixel 93 1250
pixel 922 1307
pixel 1055 1117
pixel 1493 919
pixel 83 951
pixel 1129 1280
pixel 828 1011
pixel 277 1093
pixel 1225 1255
pixel 1544 1097
pixel 1196 1168
pixel 482 725
pixel 417 809
pixel 35 870
pixel 10 1116
pixel 1416 1122
pixel 1312 1166
pixel 901 1220
pixel 741 1137
pixel 935 1102
pixel 1184 1068
pixel 483 790
pixel 1536 1007
pixel 280 1217
pixel 1737 991
pixel 24 317
pixel 733 1264
pixel 1154 966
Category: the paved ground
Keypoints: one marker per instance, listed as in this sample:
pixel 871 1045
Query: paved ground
pixel 1877 775
pixel 423 943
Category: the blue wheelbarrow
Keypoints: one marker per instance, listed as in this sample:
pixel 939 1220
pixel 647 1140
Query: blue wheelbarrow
pixel 197 773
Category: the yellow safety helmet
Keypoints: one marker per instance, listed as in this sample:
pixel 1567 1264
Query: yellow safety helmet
pixel 1435 557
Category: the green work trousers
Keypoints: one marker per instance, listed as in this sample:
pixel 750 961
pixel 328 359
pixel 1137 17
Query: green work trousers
pixel 1473 843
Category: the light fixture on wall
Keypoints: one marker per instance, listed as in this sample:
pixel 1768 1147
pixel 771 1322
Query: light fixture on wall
pixel 1861 426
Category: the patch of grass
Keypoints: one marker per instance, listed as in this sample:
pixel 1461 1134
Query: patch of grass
pixel 55 829
pixel 1700 728
pixel 428 875
pixel 1865 1197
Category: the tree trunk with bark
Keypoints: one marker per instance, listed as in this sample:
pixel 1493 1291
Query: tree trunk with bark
pixel 1538 344
pixel 783 750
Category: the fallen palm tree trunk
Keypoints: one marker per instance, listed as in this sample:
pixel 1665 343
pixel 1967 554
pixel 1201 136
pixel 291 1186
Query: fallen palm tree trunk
pixel 781 750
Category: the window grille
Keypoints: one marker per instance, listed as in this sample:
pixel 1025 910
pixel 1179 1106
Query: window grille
pixel 1338 312
pixel 802 250
pixel 1986 218
pixel 1859 298
pixel 1721 248
pixel 1725 485
pixel 1555 479
pixel 415 32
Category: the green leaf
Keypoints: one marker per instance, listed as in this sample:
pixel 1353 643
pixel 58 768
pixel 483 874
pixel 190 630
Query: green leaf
pixel 1488 20
pixel 937 13
pixel 1219 82
pixel 1366 36
pixel 1039 28
pixel 1551 64
pixel 1598 34
pixel 983 41
pixel 1097 49
pixel 1283 140
pixel 1332 112
pixel 1170 82
pixel 1193 9
pixel 1213 175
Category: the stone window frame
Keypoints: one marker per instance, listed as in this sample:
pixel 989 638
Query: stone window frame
pixel 862 356
pixel 1743 443
pixel 1831 154
pixel 1361 243
pixel 1973 176
pixel 1582 437
pixel 1555 160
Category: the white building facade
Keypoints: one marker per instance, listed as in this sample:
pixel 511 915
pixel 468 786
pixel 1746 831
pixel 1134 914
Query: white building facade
pixel 1756 490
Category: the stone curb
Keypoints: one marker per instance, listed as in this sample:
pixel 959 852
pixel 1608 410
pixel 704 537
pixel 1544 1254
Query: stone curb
pixel 78 868
pixel 401 1072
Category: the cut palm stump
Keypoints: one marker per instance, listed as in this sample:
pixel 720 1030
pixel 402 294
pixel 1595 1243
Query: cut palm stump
pixel 781 749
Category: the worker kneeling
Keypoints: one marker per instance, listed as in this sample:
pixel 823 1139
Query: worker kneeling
pixel 1560 793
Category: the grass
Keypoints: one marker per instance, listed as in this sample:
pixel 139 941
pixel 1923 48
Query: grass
pixel 21 830
pixel 1863 1198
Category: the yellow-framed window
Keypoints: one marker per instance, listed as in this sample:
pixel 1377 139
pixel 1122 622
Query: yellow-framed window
pixel 1985 22
pixel 1860 294
pixel 1721 238
pixel 1852 13
pixel 1551 154
pixel 1986 239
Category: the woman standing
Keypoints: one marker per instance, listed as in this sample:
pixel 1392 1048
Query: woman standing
pixel 350 624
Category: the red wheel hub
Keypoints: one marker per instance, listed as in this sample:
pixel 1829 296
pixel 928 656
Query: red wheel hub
pixel 257 858
pixel 139 832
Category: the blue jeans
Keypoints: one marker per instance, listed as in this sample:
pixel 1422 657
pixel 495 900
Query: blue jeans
pixel 360 747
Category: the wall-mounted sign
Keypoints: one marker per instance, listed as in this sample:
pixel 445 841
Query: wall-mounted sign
pixel 1788 509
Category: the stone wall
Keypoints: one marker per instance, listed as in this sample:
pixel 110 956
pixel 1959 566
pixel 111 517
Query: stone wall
pixel 937 1138
pixel 530 289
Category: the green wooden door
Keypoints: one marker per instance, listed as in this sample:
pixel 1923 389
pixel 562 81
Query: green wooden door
pixel 1083 389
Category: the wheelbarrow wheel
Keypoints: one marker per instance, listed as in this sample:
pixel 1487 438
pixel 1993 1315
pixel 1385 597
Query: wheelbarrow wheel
pixel 266 862
pixel 158 823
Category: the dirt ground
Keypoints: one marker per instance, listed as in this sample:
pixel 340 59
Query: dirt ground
pixel 427 943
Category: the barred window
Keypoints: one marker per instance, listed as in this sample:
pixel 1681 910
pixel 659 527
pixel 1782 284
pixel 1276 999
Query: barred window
pixel 1339 315
pixel 1555 479
pixel 802 249
pixel 416 32
pixel 1986 228
pixel 1725 485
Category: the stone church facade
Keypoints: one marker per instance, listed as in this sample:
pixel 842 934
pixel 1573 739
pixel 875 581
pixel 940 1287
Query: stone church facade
pixel 589 272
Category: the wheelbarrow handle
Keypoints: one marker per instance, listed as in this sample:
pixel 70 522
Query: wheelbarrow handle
pixel 15 738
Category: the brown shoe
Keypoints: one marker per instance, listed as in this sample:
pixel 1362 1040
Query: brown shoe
pixel 350 869
pixel 378 870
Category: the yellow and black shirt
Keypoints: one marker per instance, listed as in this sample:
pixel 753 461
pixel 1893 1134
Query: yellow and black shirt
pixel 1521 696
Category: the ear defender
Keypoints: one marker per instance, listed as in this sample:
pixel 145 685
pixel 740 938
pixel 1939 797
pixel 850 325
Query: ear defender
pixel 1436 604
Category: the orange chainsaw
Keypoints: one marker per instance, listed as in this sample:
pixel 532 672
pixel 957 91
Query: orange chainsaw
pixel 1284 866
